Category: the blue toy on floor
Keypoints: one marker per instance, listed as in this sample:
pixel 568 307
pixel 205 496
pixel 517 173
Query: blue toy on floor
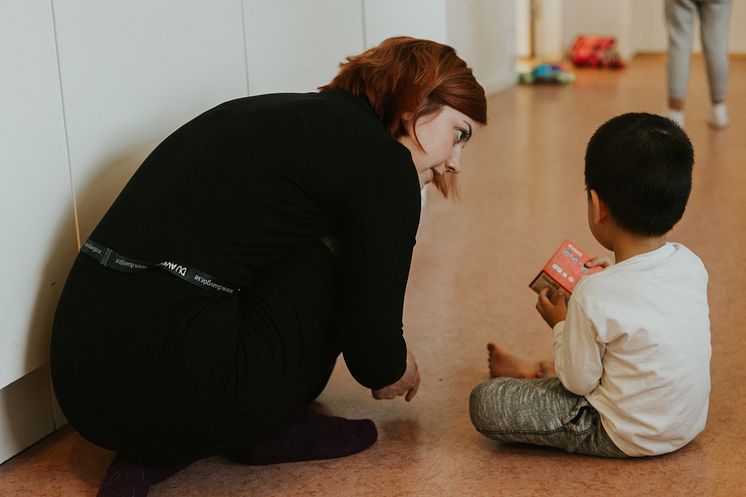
pixel 546 74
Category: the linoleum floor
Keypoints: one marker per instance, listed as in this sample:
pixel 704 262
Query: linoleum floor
pixel 521 196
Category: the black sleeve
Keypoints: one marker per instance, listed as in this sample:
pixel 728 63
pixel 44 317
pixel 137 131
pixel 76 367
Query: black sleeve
pixel 379 212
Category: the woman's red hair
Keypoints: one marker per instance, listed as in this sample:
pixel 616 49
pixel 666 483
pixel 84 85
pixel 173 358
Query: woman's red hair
pixel 408 76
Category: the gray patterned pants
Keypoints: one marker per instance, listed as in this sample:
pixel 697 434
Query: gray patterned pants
pixel 540 412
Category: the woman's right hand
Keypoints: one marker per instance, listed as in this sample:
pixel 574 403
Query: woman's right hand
pixel 407 384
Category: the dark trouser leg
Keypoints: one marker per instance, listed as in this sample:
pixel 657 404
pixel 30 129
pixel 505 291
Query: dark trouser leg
pixel 323 381
pixel 299 296
pixel 289 336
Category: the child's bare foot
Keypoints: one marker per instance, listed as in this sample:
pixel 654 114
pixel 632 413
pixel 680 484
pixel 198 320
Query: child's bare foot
pixel 547 367
pixel 503 363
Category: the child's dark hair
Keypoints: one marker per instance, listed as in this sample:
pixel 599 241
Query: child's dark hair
pixel 640 165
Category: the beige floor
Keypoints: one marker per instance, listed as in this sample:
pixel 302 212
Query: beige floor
pixel 522 194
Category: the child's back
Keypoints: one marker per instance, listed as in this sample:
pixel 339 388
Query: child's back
pixel 649 315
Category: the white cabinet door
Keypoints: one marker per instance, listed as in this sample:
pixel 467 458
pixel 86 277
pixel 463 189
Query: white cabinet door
pixel 36 218
pixel 26 405
pixel 133 72
pixel 297 46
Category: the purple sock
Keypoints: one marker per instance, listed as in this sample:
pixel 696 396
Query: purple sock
pixel 308 436
pixel 126 478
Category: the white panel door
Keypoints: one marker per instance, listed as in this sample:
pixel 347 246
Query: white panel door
pixel 36 220
pixel 417 18
pixel 295 46
pixel 134 71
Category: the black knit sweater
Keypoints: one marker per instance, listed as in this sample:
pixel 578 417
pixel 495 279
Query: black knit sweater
pixel 256 179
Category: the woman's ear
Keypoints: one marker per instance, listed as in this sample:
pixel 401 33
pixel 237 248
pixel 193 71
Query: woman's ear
pixel 599 211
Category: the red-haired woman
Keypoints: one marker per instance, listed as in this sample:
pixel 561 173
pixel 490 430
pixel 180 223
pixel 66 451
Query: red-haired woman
pixel 209 305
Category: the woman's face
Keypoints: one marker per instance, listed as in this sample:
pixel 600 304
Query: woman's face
pixel 442 136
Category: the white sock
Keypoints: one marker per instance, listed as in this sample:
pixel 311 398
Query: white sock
pixel 719 116
pixel 676 116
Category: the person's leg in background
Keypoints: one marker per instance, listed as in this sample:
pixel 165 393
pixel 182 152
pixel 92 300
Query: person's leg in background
pixel 714 17
pixel 680 25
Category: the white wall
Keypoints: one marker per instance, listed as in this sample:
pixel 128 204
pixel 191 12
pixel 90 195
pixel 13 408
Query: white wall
pixel 89 88
pixel 295 48
pixel 418 18
pixel 737 32
pixel 523 28
pixel 130 79
pixel 650 35
pixel 483 32
pixel 548 18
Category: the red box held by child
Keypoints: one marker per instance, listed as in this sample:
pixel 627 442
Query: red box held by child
pixel 564 269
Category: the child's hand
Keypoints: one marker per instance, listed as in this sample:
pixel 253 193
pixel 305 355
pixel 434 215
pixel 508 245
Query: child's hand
pixel 603 260
pixel 552 306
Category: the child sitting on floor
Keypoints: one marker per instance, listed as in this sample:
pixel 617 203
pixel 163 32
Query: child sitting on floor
pixel 630 375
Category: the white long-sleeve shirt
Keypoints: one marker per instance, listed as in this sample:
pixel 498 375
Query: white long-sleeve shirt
pixel 636 344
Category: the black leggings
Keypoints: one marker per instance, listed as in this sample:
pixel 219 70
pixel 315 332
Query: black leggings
pixel 150 367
